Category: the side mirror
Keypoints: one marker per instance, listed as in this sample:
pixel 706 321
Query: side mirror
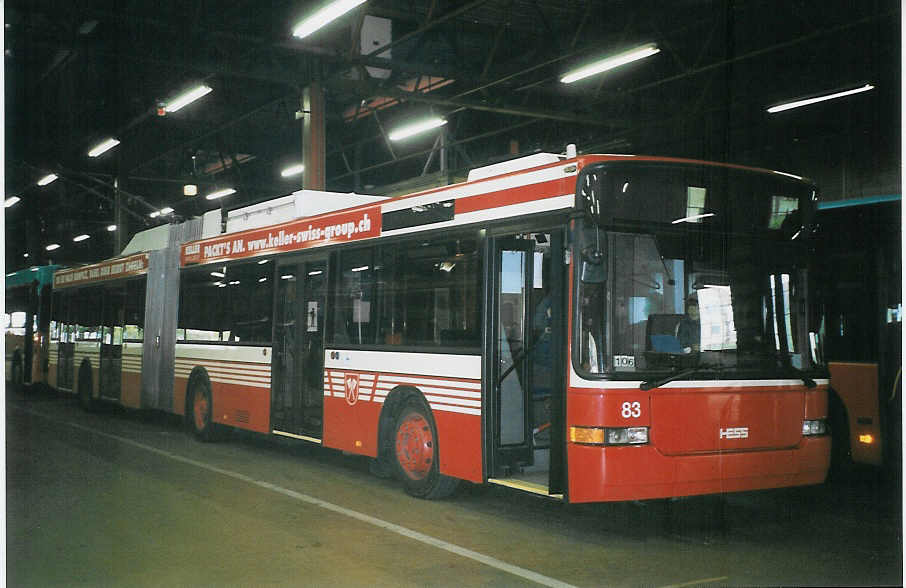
pixel 592 269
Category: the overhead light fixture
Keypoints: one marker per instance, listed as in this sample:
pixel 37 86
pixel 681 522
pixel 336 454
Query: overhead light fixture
pixel 52 246
pixel 321 18
pixel 610 63
pixel 220 194
pixel 166 210
pixel 155 214
pixel 293 170
pixel 25 255
pixel 103 147
pixel 81 237
pixel 187 98
pixel 10 201
pixel 189 190
pixel 47 179
pixel 807 101
pixel 111 228
pixel 416 128
pixel 218 274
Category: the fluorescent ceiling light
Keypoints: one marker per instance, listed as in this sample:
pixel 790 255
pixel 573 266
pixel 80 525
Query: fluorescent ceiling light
pixel 189 190
pixel 218 274
pixel 321 18
pixel 293 170
pixel 186 98
pixel 103 147
pixel 155 214
pixel 166 210
pixel 263 261
pixel 788 175
pixel 693 218
pixel 52 246
pixel 416 128
pixel 220 194
pixel 111 228
pixel 807 101
pixel 81 237
pixel 610 63
pixel 47 179
pixel 262 280
pixel 10 201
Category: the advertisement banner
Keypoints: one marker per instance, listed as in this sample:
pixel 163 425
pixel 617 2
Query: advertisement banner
pixel 112 269
pixel 300 234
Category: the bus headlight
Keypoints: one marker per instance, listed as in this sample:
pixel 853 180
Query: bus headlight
pixel 627 436
pixel 608 435
pixel 816 427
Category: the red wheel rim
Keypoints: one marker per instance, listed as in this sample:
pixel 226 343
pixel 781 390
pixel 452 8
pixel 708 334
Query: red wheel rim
pixel 200 410
pixel 415 446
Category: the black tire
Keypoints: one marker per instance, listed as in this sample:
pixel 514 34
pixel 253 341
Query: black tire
pixel 198 410
pixel 415 452
pixel 86 400
pixel 17 373
pixel 841 462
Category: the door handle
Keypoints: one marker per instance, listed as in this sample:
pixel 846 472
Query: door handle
pixel 157 342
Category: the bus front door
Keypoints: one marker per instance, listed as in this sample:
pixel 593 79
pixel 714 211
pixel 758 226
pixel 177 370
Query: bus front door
pixel 527 394
pixel 298 361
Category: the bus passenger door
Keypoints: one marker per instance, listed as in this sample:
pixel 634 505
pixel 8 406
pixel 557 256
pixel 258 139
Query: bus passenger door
pixel 527 342
pixel 298 359
pixel 112 343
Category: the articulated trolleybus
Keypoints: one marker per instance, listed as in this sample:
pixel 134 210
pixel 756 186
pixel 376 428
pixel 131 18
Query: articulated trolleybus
pixel 592 328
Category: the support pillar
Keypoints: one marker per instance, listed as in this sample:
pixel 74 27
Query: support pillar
pixel 117 218
pixel 314 142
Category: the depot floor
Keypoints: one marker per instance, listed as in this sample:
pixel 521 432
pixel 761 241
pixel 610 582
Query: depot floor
pixel 128 499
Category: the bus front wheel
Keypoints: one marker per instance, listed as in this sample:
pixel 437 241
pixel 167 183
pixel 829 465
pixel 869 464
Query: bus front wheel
pixel 415 450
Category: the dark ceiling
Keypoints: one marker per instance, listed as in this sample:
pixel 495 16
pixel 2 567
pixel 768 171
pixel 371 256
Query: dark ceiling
pixel 78 71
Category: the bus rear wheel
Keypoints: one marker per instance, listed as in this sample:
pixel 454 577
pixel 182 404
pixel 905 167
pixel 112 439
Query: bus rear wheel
pixel 17 371
pixel 415 450
pixel 199 414
pixel 88 403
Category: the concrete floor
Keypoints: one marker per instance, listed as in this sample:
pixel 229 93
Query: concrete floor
pixel 129 499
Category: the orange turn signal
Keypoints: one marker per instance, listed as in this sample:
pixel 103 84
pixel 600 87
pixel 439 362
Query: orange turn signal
pixel 589 435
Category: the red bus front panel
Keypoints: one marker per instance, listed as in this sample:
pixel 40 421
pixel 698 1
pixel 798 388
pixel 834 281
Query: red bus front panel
pixel 704 438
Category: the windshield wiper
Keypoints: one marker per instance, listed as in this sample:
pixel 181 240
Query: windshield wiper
pixel 651 384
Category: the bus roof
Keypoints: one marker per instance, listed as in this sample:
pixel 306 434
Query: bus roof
pixel 517 187
pixel 831 204
pixel 43 274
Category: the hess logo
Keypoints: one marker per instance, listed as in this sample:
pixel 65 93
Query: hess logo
pixel 735 433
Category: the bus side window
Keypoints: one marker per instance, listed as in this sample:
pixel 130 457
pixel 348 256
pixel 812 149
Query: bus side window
pixel 353 298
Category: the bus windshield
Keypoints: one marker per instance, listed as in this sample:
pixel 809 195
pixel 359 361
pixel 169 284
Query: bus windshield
pixel 693 266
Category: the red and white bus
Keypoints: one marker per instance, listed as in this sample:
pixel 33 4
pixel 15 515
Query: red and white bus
pixel 592 328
